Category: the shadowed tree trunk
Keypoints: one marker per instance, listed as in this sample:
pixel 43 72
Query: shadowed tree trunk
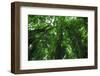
pixel 60 50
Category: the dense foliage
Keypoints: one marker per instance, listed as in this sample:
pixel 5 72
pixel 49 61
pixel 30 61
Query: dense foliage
pixel 57 37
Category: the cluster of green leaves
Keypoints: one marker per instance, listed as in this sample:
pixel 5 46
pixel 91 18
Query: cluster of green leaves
pixel 57 37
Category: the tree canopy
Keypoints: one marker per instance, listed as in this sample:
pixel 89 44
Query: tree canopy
pixel 57 37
